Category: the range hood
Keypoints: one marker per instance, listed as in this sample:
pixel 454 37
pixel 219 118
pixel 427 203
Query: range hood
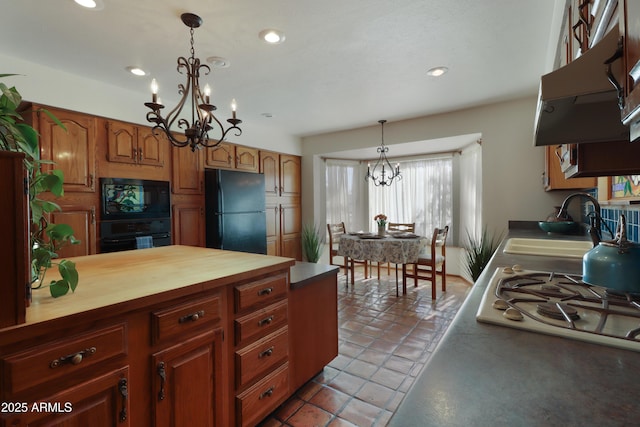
pixel 577 103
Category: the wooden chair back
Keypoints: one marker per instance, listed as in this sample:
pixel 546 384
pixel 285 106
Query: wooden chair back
pixel 409 227
pixel 432 264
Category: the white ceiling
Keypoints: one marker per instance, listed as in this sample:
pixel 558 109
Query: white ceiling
pixel 344 64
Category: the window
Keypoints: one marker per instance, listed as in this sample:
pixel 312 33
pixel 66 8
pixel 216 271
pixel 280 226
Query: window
pixel 424 195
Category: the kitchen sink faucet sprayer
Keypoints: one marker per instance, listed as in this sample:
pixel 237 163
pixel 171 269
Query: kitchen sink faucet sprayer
pixel 596 221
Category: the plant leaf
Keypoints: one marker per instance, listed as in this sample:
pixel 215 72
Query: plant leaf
pixel 69 273
pixel 59 232
pixel 58 288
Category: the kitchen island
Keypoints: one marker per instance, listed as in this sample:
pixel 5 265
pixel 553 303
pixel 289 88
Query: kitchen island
pixel 174 335
pixel 489 375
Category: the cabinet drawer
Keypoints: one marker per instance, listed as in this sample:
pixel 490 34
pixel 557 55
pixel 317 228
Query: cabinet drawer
pixel 256 359
pixel 183 318
pixel 260 293
pixel 261 322
pixel 64 358
pixel 261 399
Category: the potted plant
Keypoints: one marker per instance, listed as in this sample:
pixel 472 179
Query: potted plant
pixel 46 238
pixel 311 243
pixel 479 251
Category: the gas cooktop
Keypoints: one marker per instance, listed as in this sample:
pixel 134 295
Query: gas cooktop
pixel 563 305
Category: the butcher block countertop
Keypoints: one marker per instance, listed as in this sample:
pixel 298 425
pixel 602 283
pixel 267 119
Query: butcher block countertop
pixel 124 279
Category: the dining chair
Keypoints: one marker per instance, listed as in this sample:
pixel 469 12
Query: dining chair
pixel 431 262
pixel 336 231
pixel 407 227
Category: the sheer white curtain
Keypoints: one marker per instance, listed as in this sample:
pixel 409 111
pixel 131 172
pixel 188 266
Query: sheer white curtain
pixel 346 199
pixel 471 191
pixel 424 195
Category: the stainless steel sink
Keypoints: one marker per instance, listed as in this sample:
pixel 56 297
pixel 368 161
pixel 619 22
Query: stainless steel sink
pixel 548 247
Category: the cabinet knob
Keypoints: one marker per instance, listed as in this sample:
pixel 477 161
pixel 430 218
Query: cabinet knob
pixel 265 291
pixel 267 352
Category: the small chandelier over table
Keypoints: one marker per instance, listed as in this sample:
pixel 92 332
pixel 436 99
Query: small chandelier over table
pixel 196 132
pixel 383 173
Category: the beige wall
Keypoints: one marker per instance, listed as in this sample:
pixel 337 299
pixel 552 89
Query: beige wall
pixel 511 166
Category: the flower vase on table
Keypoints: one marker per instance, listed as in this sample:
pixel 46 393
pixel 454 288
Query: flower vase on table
pixel 381 219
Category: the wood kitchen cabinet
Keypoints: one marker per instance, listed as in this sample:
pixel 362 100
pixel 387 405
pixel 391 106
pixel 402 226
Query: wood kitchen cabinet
pixel 82 218
pixel 187 370
pixel 186 386
pixel 14 252
pixel 189 223
pixel 283 190
pixel 129 143
pixel 604 159
pixel 554 177
pixel 84 376
pixel 262 347
pixel 187 171
pixel 73 149
pixel 101 401
pixel 231 156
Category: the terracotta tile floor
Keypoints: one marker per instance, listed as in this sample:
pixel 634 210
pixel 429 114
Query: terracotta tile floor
pixel 384 341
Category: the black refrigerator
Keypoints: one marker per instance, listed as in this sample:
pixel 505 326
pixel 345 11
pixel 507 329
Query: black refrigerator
pixel 235 211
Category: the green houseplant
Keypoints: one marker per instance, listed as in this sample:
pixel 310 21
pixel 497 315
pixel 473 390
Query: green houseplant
pixel 479 251
pixel 311 243
pixel 46 238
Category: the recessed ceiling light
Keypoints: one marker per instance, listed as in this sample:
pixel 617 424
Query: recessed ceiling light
pixel 267 115
pixel 218 62
pixel 437 71
pixel 90 4
pixel 136 71
pixel 271 36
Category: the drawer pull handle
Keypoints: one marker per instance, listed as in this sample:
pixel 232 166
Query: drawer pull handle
pixel 191 317
pixel 74 359
pixel 267 393
pixel 265 321
pixel 163 377
pixel 124 392
pixel 265 291
pixel 267 352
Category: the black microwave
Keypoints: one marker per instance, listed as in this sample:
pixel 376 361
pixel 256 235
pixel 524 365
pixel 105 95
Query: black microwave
pixel 124 198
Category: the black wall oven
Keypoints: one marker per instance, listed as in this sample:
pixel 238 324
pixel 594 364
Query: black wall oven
pixel 135 214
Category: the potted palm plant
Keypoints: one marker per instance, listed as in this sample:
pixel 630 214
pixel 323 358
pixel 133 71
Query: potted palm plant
pixel 479 251
pixel 311 243
pixel 46 238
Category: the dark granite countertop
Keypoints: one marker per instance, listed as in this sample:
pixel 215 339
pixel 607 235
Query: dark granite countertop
pixel 488 375
pixel 303 273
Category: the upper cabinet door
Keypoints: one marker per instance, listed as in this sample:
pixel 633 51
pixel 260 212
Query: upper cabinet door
pixel 247 159
pixel 270 167
pixel 221 156
pixel 289 175
pixel 122 145
pixel 151 147
pixel 188 171
pixel 72 149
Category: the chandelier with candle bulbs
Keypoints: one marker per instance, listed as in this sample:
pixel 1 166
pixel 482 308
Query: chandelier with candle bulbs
pixel 196 132
pixel 383 173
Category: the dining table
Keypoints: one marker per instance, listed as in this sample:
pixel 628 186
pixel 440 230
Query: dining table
pixel 397 248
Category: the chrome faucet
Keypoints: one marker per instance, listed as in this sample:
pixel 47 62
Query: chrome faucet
pixel 596 221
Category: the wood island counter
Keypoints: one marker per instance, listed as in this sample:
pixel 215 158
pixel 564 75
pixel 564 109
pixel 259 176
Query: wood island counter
pixel 174 335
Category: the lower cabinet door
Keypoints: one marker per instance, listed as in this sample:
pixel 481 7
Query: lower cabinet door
pixel 101 402
pixel 186 392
